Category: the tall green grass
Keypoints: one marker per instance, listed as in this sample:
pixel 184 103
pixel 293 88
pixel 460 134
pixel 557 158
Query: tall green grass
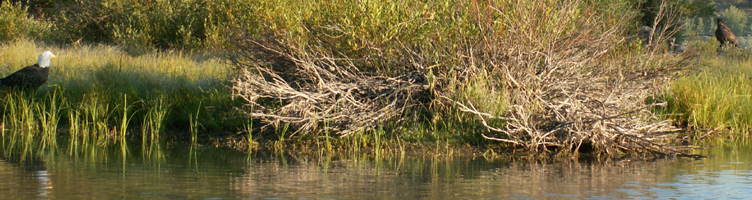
pixel 716 97
pixel 29 124
pixel 99 95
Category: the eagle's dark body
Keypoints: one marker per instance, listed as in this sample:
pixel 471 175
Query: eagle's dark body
pixel 724 34
pixel 30 77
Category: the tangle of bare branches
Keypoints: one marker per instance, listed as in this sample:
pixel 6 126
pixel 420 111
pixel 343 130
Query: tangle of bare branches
pixel 578 90
pixel 313 90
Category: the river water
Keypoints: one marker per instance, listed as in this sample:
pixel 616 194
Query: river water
pixel 180 172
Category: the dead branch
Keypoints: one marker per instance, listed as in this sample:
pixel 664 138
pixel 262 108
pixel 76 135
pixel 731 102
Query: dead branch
pixel 314 91
pixel 577 91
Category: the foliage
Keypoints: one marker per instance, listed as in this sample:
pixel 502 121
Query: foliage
pixel 152 23
pixel 716 98
pixel 15 23
pixel 732 1
pixel 648 9
pixel 736 20
pixel 700 26
pixel 698 8
pixel 94 85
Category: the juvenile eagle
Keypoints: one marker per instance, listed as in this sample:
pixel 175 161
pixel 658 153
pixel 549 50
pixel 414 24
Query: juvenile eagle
pixel 30 77
pixel 724 34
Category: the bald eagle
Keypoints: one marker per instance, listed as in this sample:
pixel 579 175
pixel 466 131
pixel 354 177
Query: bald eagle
pixel 30 77
pixel 724 35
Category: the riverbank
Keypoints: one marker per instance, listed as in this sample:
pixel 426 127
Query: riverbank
pixel 548 78
pixel 713 99
pixel 88 82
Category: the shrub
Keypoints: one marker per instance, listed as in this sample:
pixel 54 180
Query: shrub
pixel 152 23
pixel 15 23
pixel 736 20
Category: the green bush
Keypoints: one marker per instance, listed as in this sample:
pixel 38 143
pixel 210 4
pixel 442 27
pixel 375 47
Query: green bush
pixel 15 23
pixel 736 20
pixel 152 23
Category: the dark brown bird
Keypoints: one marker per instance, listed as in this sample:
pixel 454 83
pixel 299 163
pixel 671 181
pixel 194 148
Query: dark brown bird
pixel 724 34
pixel 30 77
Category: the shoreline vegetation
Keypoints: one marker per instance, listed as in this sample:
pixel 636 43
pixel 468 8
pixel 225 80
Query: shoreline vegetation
pixel 549 78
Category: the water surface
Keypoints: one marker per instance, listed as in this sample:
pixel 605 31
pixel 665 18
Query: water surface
pixel 180 172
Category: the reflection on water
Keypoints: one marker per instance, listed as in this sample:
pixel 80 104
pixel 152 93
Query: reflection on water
pixel 180 172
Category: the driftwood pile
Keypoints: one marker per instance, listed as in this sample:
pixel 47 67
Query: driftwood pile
pixel 580 91
pixel 312 90
pixel 565 89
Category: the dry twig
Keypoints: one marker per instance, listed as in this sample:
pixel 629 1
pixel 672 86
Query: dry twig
pixel 311 90
pixel 575 92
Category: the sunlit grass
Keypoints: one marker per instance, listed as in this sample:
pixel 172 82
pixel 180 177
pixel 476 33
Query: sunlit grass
pixel 716 97
pixel 100 95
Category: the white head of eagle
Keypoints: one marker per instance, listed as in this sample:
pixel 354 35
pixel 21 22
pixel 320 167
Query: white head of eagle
pixel 44 59
pixel 30 77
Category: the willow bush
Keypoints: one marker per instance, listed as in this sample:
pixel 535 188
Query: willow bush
pixel 15 23
pixel 143 25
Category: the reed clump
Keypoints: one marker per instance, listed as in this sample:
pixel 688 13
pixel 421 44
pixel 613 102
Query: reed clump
pixel 713 100
pixel 100 95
